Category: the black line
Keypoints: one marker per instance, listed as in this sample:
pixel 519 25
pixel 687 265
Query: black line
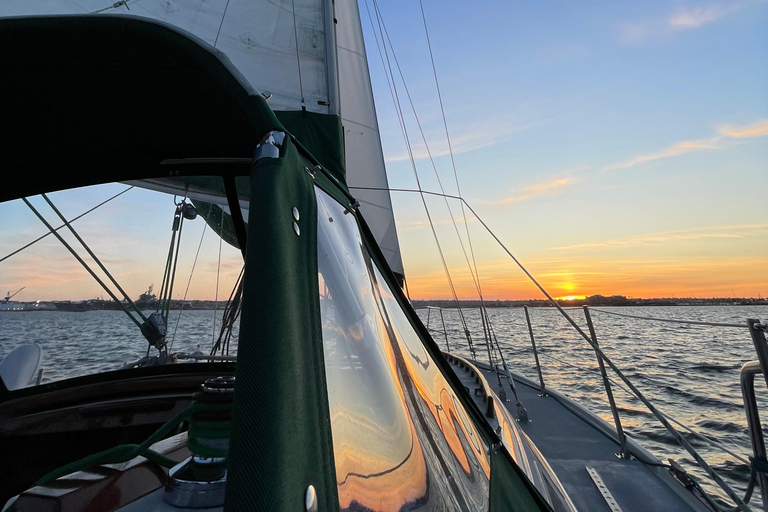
pixel 234 210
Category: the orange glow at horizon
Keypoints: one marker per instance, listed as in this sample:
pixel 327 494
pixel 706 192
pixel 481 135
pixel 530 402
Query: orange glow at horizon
pixel 500 280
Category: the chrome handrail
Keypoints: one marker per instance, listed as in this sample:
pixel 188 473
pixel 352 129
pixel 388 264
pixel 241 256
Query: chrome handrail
pixel 748 372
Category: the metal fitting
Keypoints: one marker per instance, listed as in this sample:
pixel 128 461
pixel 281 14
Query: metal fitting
pixel 270 145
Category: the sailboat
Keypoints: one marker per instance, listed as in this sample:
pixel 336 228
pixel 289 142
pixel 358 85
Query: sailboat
pixel 261 115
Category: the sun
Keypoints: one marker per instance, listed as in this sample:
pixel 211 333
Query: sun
pixel 572 297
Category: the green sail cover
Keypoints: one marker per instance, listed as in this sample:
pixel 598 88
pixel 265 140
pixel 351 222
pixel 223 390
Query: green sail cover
pixel 319 134
pixel 281 439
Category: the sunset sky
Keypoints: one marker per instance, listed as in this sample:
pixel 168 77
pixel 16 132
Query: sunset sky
pixel 614 147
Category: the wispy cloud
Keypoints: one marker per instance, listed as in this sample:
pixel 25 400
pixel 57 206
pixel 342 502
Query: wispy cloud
pixel 544 188
pixel 472 137
pixel 701 15
pixel 732 231
pixel 725 135
pixel 758 129
pixel 685 18
pixel 421 224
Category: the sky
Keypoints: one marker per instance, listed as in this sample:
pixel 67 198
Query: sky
pixel 613 147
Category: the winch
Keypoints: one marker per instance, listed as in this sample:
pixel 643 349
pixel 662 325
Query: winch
pixel 200 481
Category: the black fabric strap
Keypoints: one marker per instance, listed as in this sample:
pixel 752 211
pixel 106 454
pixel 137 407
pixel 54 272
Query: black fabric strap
pixel 237 215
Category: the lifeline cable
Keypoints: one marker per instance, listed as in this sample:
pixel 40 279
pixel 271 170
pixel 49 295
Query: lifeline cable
pixel 79 259
pixel 659 415
pixel 93 256
pixel 73 219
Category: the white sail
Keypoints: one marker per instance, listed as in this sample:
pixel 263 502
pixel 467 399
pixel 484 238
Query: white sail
pixel 329 71
pixel 257 36
pixel 362 143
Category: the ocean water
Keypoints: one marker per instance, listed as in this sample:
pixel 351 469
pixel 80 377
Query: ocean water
pixel 690 372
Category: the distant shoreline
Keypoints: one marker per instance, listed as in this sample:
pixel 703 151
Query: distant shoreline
pixel 594 300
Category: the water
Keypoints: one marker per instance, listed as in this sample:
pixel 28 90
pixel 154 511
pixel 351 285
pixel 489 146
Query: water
pixel 689 372
pixel 89 342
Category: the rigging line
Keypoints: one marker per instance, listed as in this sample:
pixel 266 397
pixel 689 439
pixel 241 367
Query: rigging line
pixel 659 415
pixel 115 5
pixel 383 65
pixel 92 255
pixel 79 259
pixel 73 219
pixel 173 272
pixel 694 322
pixel 382 29
pixel 416 175
pixel 298 59
pixel 429 153
pixel 450 148
pixel 221 24
pixel 189 281
pixel 218 273
pixel 161 303
pixel 619 385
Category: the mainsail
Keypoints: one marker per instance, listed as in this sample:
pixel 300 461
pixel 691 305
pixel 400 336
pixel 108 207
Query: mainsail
pixel 303 53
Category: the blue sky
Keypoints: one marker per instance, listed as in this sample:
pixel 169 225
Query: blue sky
pixel 598 137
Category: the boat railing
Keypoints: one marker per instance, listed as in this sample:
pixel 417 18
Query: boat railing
pixel 758 463
pixel 748 372
pixel 432 330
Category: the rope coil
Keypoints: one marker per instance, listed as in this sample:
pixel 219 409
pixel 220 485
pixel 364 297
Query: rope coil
pixel 199 430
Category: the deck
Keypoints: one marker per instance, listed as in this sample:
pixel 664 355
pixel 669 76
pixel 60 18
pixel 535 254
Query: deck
pixel 572 439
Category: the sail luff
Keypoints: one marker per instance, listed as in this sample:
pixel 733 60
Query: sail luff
pixel 332 58
pixel 364 156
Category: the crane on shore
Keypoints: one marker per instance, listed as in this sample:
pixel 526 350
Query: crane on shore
pixel 9 295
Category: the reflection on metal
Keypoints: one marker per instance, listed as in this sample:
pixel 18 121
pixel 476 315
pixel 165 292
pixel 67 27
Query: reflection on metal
pixel 312 170
pixel 748 372
pixel 310 499
pixel 757 331
pixel 270 145
pixel 184 491
pixel 609 499
pixel 400 435
pixel 201 480
pixel 295 213
pixel 624 452
pixel 296 229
